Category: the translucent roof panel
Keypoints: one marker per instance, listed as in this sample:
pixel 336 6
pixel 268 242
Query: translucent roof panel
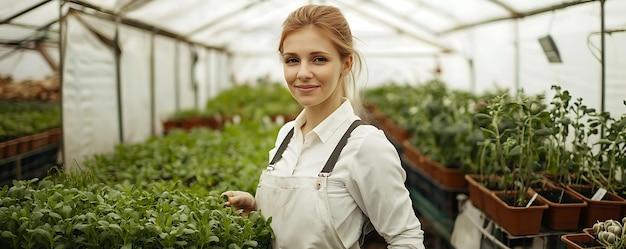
pixel 219 23
pixel 25 20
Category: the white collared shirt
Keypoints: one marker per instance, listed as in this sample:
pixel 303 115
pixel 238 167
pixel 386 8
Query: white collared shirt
pixel 367 179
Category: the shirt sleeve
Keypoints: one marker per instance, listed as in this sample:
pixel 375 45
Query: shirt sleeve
pixel 377 185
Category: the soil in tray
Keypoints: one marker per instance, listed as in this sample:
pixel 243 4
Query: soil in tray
pixel 554 195
pixel 510 200
pixel 588 192
pixel 588 244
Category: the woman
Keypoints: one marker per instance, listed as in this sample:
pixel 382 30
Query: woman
pixel 317 200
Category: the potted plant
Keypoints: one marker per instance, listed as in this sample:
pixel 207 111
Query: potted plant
pixel 443 130
pixel 490 159
pixel 564 206
pixel 512 142
pixel 558 161
pixel 593 181
pixel 610 233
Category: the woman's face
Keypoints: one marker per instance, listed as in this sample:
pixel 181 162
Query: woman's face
pixel 312 68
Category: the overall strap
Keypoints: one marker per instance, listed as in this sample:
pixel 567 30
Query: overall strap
pixel 281 148
pixel 330 164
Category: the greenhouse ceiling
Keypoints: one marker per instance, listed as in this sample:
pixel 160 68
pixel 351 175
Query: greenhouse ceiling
pixel 253 26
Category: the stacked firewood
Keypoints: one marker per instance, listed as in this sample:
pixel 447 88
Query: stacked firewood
pixel 46 90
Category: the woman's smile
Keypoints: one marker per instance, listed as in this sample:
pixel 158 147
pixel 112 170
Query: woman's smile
pixel 307 88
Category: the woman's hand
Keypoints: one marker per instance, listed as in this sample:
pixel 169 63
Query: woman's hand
pixel 240 200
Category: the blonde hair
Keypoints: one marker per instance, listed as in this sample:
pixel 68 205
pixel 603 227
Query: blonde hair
pixel 331 21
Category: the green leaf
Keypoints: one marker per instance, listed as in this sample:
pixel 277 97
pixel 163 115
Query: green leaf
pixel 8 234
pixel 603 141
pixel 251 243
pixel 80 226
pixel 488 133
pixel 67 210
pixel 481 115
pixel 516 151
pixel 115 227
pixel 42 232
pixel 543 131
pixel 36 215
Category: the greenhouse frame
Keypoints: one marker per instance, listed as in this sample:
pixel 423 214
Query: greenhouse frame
pixel 125 67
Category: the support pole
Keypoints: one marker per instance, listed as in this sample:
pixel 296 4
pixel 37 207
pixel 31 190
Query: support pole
pixel 602 60
pixel 118 80
pixel 62 39
pixel 517 55
pixel 152 85
pixel 177 76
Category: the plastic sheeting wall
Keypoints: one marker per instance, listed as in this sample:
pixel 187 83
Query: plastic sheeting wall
pixel 90 95
pixel 493 49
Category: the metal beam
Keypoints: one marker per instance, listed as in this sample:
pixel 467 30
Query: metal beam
pixel 253 28
pixel 19 43
pixel 111 16
pixel 521 15
pixel 133 5
pixel 402 17
pixel 439 11
pixel 444 49
pixel 8 19
pixel 513 12
pixel 28 26
pixel 223 18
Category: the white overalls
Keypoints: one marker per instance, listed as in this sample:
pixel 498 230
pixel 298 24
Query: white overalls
pixel 298 205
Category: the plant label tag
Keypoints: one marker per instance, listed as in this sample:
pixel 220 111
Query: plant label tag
pixel 532 199
pixel 599 194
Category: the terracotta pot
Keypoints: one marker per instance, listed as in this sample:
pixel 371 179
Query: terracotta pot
pixel 23 144
pixel 476 190
pixel 2 146
pixel 54 136
pixel 170 125
pixel 190 123
pixel 610 207
pixel 415 156
pixel 518 221
pixel 10 148
pixel 215 122
pixel 563 215
pixel 394 131
pixel 39 140
pixel 580 241
pixel 481 196
pixel 448 177
pixel 590 231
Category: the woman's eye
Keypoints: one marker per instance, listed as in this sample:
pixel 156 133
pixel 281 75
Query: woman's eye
pixel 291 60
pixel 319 59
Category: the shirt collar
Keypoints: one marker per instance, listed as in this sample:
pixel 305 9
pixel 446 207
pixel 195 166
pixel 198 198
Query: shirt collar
pixel 332 123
